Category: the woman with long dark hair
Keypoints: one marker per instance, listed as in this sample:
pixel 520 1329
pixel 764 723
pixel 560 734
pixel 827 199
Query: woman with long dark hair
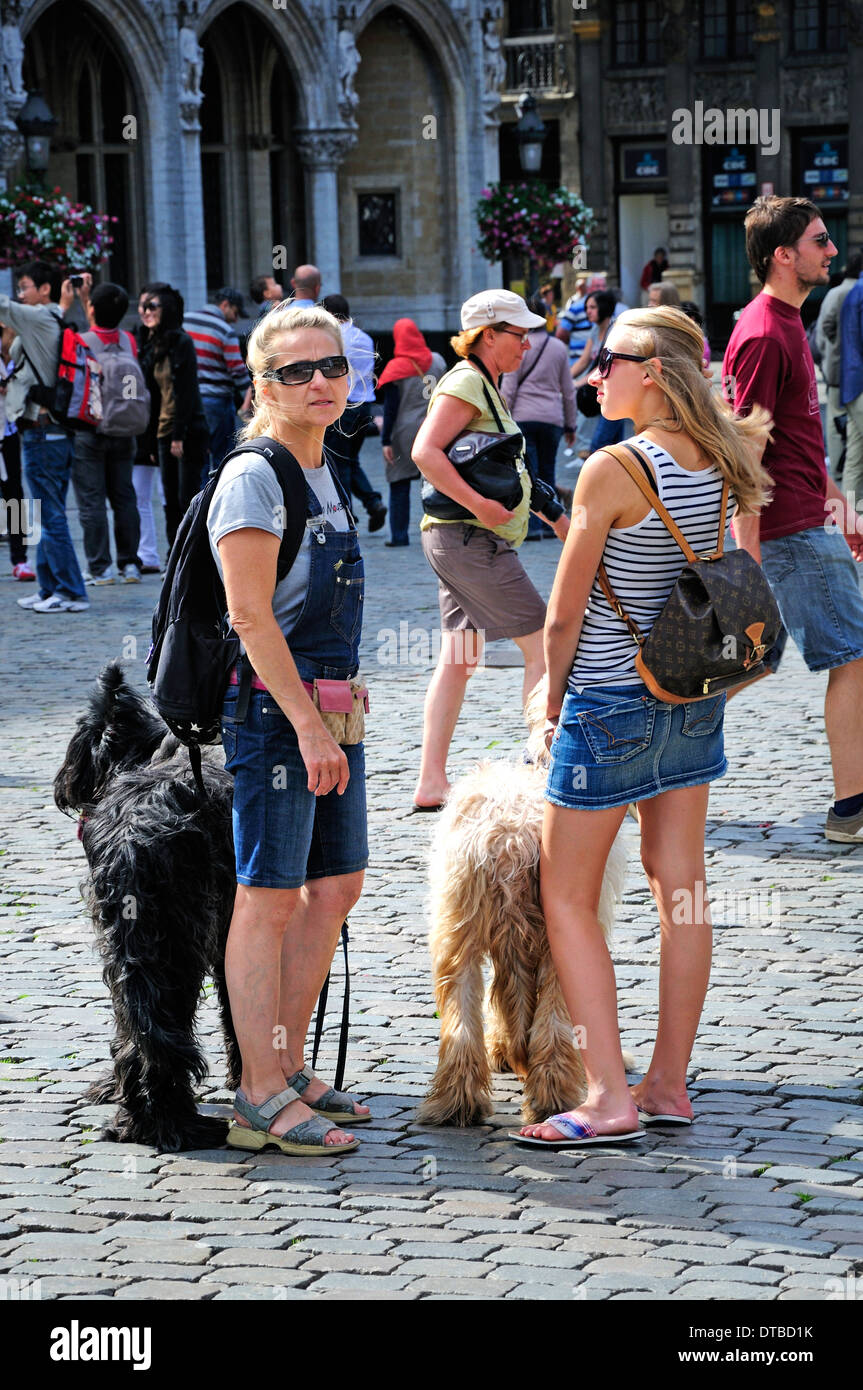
pixel 178 435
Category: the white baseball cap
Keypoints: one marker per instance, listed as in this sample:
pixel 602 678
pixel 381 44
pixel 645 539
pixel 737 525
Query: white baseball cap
pixel 489 307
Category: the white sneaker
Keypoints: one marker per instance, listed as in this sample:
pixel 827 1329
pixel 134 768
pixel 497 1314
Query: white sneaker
pixel 131 574
pixel 30 602
pixel 57 604
pixel 106 578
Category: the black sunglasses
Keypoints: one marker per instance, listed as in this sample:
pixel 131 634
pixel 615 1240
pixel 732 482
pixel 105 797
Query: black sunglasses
pixel 150 306
pixel 606 358
pixel 300 373
pixel 821 239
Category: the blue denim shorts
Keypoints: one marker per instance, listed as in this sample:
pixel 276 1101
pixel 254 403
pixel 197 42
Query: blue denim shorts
pixel 816 583
pixel 616 744
pixel 283 833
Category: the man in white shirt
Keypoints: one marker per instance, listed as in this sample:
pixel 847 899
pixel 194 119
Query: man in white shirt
pixel 344 438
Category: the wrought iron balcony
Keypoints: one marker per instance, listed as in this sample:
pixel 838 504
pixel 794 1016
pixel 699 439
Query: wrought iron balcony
pixel 536 65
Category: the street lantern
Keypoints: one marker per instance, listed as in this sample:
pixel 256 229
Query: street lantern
pixel 530 132
pixel 37 122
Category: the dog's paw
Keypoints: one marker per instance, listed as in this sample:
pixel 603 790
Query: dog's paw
pixel 167 1135
pixel 457 1114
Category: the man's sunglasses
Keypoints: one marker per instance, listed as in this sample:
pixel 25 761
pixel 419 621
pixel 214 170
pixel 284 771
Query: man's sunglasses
pixel 150 307
pixel 822 239
pixel 300 373
pixel 606 358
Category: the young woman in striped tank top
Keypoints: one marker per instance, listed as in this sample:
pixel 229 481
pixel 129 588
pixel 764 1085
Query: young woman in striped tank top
pixel 611 741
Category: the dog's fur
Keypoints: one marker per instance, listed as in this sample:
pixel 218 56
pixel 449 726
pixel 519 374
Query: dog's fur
pixel 161 893
pixel 485 906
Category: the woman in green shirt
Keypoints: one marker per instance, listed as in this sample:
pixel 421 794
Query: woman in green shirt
pixel 484 591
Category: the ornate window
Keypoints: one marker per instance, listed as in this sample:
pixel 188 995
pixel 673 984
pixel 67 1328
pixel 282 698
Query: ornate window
pixel 818 26
pixel 727 28
pixel 635 33
pixel 378 224
pixel 529 17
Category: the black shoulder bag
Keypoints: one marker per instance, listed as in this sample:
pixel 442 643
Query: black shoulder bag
pixel 489 463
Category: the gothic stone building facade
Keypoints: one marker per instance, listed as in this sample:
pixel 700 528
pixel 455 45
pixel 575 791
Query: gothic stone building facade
pixel 229 135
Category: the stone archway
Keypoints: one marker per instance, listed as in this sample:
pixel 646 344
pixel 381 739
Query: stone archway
pixel 397 186
pixel 251 171
pixel 73 56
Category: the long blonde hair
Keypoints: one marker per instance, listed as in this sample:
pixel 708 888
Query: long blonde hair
pixel 264 347
pixel 732 442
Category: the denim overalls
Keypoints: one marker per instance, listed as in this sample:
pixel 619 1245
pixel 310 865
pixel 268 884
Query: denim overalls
pixel 325 638
pixel 283 833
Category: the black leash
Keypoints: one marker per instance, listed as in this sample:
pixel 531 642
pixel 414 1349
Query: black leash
pixel 346 1014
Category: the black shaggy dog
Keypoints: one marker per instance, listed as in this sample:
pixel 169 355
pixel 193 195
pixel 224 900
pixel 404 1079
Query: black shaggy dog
pixel 161 892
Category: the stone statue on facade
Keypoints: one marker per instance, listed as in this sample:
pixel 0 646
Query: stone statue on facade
pixel 14 91
pixel 494 62
pixel 349 61
pixel 191 69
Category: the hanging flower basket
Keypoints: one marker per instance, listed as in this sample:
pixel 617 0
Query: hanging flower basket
pixel 35 225
pixel 530 219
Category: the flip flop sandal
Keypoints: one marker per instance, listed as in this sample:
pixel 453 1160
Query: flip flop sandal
pixel 306 1138
pixel 675 1121
pixel 332 1105
pixel 580 1135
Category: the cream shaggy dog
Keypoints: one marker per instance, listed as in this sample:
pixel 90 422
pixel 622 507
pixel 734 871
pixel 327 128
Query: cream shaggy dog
pixel 485 907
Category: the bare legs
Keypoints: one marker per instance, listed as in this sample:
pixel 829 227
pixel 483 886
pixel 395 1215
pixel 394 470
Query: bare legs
pixel 278 952
pixel 460 655
pixel 575 847
pixel 843 719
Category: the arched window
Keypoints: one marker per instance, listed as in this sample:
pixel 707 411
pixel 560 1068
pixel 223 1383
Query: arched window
pixel 94 150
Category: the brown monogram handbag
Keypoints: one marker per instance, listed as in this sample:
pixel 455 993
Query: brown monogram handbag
pixel 719 621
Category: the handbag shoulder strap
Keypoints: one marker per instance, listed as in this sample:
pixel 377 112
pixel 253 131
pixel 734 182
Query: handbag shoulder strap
pixel 491 405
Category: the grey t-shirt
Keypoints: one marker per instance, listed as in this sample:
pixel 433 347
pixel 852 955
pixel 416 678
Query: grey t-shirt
pixel 248 494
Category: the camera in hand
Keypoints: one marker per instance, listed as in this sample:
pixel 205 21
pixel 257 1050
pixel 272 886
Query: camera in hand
pixel 76 281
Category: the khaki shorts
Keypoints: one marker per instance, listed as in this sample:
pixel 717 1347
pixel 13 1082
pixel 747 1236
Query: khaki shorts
pixel 482 582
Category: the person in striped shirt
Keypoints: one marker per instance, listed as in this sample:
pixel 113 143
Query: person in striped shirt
pixel 221 369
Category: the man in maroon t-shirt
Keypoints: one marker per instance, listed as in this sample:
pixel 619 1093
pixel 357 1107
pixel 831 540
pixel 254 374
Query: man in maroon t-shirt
pixel 806 537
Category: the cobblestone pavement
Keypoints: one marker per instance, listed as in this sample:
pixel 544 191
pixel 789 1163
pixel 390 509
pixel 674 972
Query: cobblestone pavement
pixel 762 1199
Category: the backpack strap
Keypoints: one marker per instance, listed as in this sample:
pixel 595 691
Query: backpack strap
pixel 646 487
pixel 618 452
pixel 292 482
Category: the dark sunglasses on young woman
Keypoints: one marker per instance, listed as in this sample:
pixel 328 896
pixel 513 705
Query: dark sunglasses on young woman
pixel 300 373
pixel 606 358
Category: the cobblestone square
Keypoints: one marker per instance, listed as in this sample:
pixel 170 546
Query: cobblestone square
pixel 762 1199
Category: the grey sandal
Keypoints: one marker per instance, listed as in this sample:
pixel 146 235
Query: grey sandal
pixel 305 1138
pixel 332 1105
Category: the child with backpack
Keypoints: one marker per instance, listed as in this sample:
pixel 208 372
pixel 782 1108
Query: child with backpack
pixel 613 739
pixel 103 459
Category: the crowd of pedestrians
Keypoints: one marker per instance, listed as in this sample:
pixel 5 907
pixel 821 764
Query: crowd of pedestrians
pixel 305 381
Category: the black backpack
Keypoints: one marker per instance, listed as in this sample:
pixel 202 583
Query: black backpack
pixel 193 650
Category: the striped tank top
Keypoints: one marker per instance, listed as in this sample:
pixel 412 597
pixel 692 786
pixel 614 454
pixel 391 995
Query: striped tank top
pixel 643 562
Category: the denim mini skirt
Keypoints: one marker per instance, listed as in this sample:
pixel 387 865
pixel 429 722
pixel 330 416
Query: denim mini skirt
pixel 616 744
